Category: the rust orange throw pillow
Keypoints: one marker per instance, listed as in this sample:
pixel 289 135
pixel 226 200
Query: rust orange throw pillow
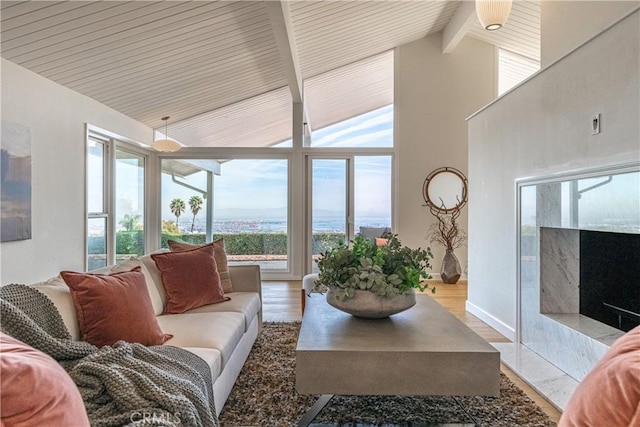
pixel 36 391
pixel 610 394
pixel 190 279
pixel 114 307
pixel 219 254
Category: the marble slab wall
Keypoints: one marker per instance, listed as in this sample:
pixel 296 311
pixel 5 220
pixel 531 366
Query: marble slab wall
pixel 559 270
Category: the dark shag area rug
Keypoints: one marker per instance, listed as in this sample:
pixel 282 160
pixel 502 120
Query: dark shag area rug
pixel 265 395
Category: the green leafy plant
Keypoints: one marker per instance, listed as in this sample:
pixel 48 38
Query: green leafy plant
pixel 387 270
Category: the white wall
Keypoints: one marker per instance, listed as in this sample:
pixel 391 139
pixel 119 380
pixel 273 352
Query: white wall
pixel 540 128
pixel 564 25
pixel 434 94
pixel 57 118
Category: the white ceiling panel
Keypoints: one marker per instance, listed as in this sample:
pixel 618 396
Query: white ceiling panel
pixel 260 121
pixel 330 96
pixel 332 34
pixel 217 68
pixel 148 59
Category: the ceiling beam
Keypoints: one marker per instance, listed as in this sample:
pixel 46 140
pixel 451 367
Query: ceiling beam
pixel 282 25
pixel 459 25
pixel 280 18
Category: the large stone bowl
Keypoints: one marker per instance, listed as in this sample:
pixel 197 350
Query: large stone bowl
pixel 371 306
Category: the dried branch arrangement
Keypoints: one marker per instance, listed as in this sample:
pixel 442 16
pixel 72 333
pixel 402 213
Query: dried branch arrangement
pixel 445 231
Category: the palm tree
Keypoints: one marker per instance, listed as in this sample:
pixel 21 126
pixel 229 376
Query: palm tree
pixel 195 203
pixel 130 222
pixel 177 207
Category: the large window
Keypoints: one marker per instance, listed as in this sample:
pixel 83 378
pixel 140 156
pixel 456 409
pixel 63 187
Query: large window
pixel 244 201
pixel 97 209
pixel 513 69
pixel 373 129
pixel 129 204
pixel 115 201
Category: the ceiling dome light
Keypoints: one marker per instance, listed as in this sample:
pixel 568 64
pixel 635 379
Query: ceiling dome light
pixel 166 145
pixel 493 14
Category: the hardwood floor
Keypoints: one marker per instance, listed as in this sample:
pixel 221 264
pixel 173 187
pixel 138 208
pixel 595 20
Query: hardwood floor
pixel 281 303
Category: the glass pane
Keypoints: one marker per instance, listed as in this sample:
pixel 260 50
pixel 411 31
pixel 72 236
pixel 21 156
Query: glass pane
pixel 373 129
pixel 184 200
pixel 250 211
pixel 129 212
pixel 372 192
pixel 97 243
pixel 95 176
pixel 513 69
pixel 329 205
pixel 609 203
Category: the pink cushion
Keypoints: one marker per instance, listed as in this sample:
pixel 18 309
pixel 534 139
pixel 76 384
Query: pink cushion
pixel 114 307
pixel 36 390
pixel 190 279
pixel 219 254
pixel 381 242
pixel 610 394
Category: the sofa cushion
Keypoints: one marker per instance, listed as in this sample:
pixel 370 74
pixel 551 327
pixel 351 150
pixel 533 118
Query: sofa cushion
pixel 610 394
pixel 372 232
pixel 155 274
pixel 114 307
pixel 60 294
pixel 220 255
pixel 380 241
pixel 211 356
pixel 247 303
pixel 36 390
pixel 190 279
pixel 156 299
pixel 221 331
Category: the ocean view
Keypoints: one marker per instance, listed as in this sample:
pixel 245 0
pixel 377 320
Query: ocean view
pixel 231 226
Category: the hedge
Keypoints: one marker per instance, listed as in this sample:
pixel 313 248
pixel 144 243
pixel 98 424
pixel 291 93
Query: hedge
pixel 132 242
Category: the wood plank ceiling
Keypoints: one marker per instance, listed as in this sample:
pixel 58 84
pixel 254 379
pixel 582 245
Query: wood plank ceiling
pixel 217 68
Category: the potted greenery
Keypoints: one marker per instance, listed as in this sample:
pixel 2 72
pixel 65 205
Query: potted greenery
pixel 367 280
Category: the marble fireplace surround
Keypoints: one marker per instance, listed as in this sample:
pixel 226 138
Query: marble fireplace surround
pixel 555 347
pixel 562 258
pixel 560 285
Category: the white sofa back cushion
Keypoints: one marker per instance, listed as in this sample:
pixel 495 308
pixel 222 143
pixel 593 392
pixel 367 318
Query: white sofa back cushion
pixel 158 295
pixel 58 292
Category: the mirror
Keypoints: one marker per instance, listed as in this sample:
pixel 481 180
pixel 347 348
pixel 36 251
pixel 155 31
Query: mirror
pixel 445 189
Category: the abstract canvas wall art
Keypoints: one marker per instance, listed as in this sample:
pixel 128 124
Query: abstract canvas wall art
pixel 15 183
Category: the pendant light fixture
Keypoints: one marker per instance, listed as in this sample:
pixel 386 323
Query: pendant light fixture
pixel 166 145
pixel 493 14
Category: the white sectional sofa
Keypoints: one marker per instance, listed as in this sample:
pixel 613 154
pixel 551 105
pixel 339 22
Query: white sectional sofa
pixel 222 334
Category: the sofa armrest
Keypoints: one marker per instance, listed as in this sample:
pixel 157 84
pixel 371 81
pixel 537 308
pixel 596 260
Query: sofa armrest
pixel 246 278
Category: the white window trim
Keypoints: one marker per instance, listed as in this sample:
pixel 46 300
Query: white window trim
pixel 114 142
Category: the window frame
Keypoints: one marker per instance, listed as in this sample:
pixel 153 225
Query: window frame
pixel 113 142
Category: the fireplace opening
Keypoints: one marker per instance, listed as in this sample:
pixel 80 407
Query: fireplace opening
pixel 610 278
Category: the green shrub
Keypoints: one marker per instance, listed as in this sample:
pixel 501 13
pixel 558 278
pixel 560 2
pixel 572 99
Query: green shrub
pixel 132 242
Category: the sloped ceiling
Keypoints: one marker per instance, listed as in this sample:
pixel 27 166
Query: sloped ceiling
pixel 212 65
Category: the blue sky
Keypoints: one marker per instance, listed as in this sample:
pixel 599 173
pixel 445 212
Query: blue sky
pixel 259 187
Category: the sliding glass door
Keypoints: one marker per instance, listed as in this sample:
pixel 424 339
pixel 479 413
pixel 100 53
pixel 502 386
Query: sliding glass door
pixel 345 194
pixel 330 220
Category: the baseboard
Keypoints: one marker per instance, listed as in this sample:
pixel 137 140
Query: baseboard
pixel 496 324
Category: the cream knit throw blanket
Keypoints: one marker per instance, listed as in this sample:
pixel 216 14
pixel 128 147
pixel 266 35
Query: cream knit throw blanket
pixel 123 384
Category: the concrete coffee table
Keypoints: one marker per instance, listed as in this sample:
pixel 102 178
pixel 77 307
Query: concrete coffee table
pixel 423 351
